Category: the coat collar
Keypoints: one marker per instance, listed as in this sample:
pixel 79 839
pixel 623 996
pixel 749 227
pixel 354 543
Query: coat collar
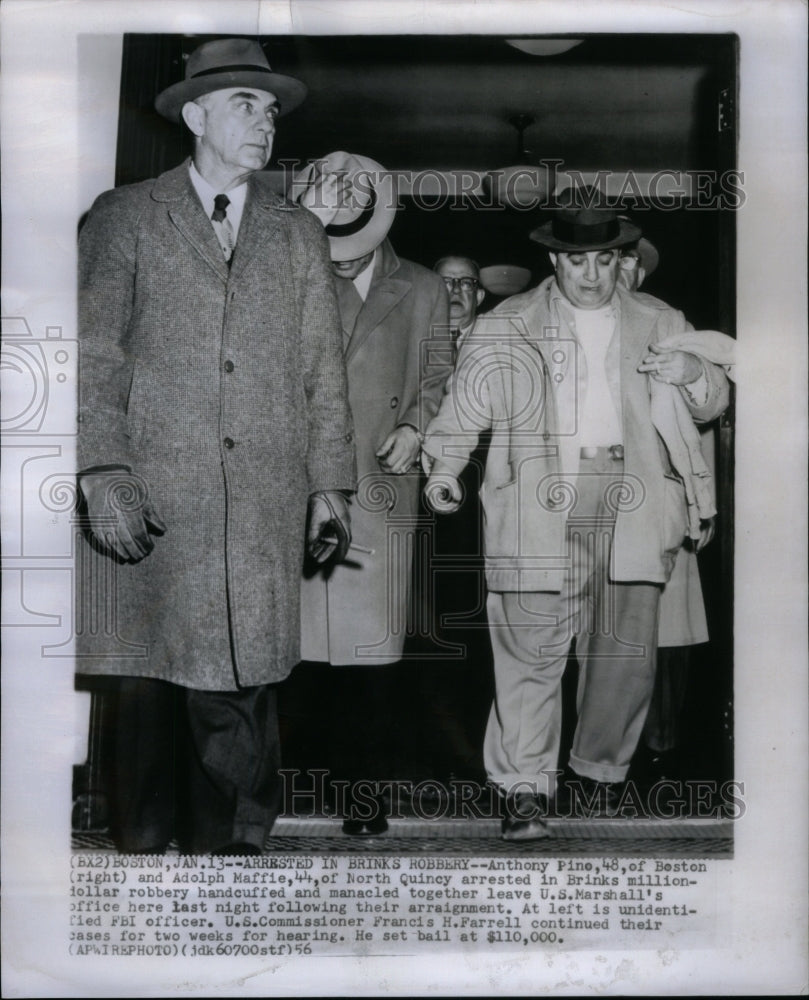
pixel 174 188
pixel 386 291
pixel 544 309
pixel 541 316
pixel 175 185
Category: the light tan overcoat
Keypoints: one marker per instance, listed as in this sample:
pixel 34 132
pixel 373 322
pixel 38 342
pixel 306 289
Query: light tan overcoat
pixel 398 358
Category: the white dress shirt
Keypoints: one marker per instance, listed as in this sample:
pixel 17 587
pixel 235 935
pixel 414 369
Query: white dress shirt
pixel 207 194
pixel 599 420
pixel 363 280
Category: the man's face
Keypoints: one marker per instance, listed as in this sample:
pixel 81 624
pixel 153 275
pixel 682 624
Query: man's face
pixel 587 278
pixel 465 294
pixel 236 128
pixel 631 272
pixel 351 268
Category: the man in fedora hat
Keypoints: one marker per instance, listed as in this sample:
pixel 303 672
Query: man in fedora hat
pixel 638 262
pixel 398 356
pixel 587 499
pixel 213 416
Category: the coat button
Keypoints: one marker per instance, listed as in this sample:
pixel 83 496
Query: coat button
pixel 349 438
pixel 228 442
pixel 229 366
pixel 394 402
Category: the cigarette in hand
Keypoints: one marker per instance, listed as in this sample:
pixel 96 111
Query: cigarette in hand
pixel 357 548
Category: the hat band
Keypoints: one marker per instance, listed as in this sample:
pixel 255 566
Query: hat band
pixel 581 235
pixel 353 227
pixel 235 68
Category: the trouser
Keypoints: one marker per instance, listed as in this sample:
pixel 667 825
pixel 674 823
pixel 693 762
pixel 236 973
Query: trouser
pixel 346 720
pixel 661 731
pixel 615 625
pixel 364 721
pixel 201 766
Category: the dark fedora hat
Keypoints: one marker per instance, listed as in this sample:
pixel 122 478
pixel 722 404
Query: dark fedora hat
pixel 583 221
pixel 228 62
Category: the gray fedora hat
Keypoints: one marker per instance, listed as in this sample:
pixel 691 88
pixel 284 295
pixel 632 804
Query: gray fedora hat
pixel 228 62
pixel 582 221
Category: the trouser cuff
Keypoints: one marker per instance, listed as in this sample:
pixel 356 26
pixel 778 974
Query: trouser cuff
pixel 599 772
pixel 543 783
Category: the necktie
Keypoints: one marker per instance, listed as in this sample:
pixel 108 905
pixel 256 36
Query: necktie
pixel 222 225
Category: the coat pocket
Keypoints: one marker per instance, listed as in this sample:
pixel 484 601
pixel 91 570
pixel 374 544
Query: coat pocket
pixel 675 514
pixel 135 404
pixel 500 519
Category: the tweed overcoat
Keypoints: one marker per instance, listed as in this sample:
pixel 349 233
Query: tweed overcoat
pixel 399 357
pixel 521 374
pixel 224 391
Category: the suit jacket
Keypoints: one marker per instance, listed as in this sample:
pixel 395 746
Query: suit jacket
pixel 224 391
pixel 398 355
pixel 521 374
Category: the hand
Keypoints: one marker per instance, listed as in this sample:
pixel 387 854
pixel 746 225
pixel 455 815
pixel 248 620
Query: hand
pixel 328 536
pixel 399 450
pixel 120 517
pixel 674 367
pixel 443 492
pixel 326 195
pixel 707 530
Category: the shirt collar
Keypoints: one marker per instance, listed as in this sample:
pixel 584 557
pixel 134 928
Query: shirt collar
pixel 557 299
pixel 363 280
pixel 207 194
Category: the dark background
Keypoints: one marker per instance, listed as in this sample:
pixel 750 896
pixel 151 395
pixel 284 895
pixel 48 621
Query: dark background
pixel 613 102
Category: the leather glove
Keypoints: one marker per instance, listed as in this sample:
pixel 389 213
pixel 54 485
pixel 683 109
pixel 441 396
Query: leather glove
pixel 328 536
pixel 119 516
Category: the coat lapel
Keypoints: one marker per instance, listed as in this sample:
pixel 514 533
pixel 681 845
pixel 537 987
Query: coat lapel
pixel 187 214
pixel 385 292
pixel 350 303
pixel 635 323
pixel 262 235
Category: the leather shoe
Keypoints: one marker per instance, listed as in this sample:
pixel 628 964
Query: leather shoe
pixel 591 799
pixel 358 823
pixel 365 827
pixel 525 817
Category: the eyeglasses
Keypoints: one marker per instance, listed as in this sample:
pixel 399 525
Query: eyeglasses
pixel 465 284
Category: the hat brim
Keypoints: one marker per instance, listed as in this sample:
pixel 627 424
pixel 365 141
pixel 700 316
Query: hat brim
pixel 289 91
pixel 628 233
pixel 649 257
pixel 369 237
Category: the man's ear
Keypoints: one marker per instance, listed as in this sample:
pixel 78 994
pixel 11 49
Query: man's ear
pixel 194 117
pixel 641 275
pixel 480 295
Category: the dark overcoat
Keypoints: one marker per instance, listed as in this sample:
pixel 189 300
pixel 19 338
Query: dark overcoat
pixel 224 391
pixel 399 357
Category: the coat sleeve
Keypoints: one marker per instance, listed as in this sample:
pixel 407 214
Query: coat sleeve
pixel 718 389
pixel 107 265
pixel 465 411
pixel 435 354
pixel 330 457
